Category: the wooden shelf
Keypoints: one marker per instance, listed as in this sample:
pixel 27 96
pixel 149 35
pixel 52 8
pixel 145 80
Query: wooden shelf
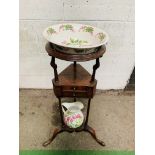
pixel 74 81
pixel 74 76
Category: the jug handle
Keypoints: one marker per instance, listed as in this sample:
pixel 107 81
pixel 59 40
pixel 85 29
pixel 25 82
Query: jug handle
pixel 64 109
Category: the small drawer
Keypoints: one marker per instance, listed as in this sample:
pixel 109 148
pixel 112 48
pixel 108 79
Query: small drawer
pixel 75 91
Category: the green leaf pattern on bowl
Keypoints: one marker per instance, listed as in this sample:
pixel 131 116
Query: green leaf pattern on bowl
pixel 66 27
pixel 75 42
pixel 100 36
pixel 51 31
pixel 87 29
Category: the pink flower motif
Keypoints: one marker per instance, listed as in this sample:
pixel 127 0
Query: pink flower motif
pixel 81 28
pixel 71 120
pixel 68 118
pixel 78 116
pixel 73 117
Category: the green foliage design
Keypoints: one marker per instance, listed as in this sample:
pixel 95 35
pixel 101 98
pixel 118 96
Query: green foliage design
pixel 101 36
pixel 68 27
pixel 76 42
pixel 51 30
pixel 88 29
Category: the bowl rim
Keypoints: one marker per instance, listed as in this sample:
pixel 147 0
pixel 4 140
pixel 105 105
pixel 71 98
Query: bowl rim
pixel 75 47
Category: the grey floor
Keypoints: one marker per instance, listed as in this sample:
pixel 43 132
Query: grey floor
pixel 111 115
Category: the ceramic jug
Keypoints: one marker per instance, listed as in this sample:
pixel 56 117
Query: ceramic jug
pixel 73 116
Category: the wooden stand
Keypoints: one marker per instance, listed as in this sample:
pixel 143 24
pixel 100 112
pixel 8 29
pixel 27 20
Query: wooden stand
pixel 74 82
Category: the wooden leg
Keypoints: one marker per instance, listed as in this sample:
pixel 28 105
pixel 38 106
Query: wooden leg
pixel 57 130
pixel 97 65
pixel 61 113
pixel 89 129
pixel 53 64
pixel 55 133
pixel 87 116
pixel 93 133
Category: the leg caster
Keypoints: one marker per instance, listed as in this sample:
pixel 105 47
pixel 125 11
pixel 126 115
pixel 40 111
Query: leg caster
pixel 55 133
pixel 93 133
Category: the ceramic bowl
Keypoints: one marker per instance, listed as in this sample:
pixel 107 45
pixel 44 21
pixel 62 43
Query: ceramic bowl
pixel 74 50
pixel 75 38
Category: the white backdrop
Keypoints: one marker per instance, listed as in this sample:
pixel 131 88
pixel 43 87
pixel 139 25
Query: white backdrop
pixel 116 17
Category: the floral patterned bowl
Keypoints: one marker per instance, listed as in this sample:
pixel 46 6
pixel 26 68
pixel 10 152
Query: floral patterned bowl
pixel 75 38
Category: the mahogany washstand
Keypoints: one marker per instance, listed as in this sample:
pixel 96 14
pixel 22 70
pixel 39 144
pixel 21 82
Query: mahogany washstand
pixel 74 82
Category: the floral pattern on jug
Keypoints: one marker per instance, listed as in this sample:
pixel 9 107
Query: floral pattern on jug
pixel 73 116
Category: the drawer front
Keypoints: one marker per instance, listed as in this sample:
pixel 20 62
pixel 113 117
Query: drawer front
pixel 75 92
pixel 71 91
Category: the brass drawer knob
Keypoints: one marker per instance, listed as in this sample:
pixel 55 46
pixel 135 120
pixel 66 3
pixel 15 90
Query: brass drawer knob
pixel 74 92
